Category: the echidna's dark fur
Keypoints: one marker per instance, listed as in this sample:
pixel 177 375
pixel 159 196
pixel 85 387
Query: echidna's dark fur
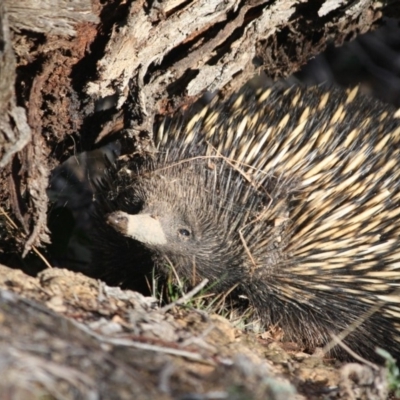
pixel 291 196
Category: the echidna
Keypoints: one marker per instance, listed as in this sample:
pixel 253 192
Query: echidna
pixel 289 196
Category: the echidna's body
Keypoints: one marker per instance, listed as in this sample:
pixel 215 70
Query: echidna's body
pixel 291 196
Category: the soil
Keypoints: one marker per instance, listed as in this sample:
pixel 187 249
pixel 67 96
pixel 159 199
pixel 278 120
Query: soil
pixel 66 336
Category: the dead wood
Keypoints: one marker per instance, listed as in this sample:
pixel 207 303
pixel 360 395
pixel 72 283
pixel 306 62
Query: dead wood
pixel 91 341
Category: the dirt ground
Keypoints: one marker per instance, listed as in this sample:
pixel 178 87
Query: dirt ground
pixel 66 336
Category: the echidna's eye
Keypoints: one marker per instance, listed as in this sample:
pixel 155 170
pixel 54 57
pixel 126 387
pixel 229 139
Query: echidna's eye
pixel 184 232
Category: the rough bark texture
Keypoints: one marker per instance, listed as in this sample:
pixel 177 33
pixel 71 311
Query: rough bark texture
pixel 70 337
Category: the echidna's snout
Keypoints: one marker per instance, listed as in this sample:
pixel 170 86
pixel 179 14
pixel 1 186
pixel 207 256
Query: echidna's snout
pixel 119 221
pixel 144 228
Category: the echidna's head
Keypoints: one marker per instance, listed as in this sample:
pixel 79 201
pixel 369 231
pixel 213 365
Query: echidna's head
pixel 198 216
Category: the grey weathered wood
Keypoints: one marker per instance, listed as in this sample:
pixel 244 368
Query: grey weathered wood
pixel 147 39
pixel 49 16
pixel 14 130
